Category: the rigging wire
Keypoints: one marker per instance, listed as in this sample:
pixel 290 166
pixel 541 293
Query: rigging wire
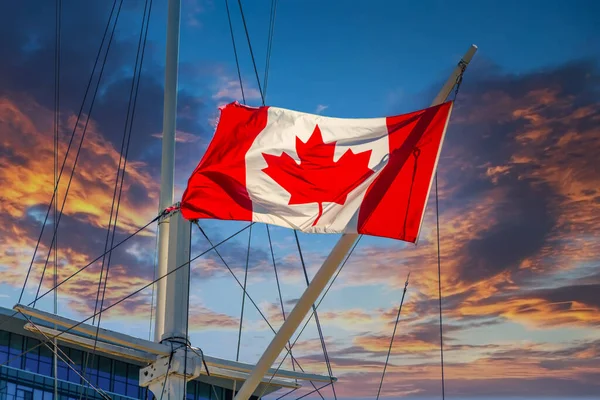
pixel 439 265
pixel 269 46
pixel 58 18
pixel 387 359
pixel 130 295
pixel 237 63
pixel 67 152
pixel 133 94
pixel 251 52
pixel 7 318
pixel 287 393
pixel 312 391
pixel 70 362
pixel 278 287
pixel 237 354
pixel 186 305
pixel 312 314
pixel 457 84
pixel 246 292
pixel 317 322
pixel 80 146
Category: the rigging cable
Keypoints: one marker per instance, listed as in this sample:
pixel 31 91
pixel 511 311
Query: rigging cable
pixel 439 265
pixel 278 287
pixel 135 81
pixel 130 295
pixel 439 257
pixel 245 291
pixel 186 305
pixel 387 359
pixel 312 314
pixel 239 341
pixel 237 354
pixel 251 51
pixel 8 317
pixel 237 63
pixel 317 322
pixel 80 146
pixel 55 194
pixel 69 362
pixel 67 153
pixel 262 95
pixel 269 46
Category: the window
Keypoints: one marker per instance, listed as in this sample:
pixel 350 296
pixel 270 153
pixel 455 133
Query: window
pixel 104 368
pixel 204 391
pixel 24 393
pixel 4 340
pixel 133 381
pixel 120 377
pixel 31 375
pixel 191 391
pixel 77 357
pixel 15 351
pixel 46 361
pixel 32 357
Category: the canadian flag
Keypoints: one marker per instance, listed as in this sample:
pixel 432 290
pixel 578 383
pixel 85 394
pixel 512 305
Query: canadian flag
pixel 319 174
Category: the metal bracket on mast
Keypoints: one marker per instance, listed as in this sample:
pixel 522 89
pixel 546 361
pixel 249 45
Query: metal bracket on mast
pixel 167 376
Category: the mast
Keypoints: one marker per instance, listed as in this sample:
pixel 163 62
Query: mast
pixel 167 170
pixel 331 264
pixel 167 376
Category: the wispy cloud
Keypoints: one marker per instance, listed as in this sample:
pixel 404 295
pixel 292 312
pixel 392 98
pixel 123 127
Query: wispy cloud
pixel 321 108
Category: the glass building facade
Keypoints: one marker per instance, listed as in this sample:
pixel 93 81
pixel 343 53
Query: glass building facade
pixel 30 376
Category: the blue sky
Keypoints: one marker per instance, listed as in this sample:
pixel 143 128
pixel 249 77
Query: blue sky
pixel 518 181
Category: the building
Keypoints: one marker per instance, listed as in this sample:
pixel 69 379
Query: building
pixel 29 375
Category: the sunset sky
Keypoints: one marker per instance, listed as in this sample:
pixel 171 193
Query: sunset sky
pixel 519 182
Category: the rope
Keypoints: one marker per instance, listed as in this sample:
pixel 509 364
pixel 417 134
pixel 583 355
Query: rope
pixel 313 313
pixel 137 72
pixel 79 149
pixel 286 393
pixel 317 322
pixel 251 52
pixel 55 193
pixel 237 354
pixel 201 355
pixel 186 304
pixel 245 291
pixel 387 359
pixel 70 362
pixel 237 63
pixel 439 257
pixel 439 265
pixel 278 285
pixel 269 46
pixel 7 318
pixel 67 154
pixel 130 295
pixel 312 391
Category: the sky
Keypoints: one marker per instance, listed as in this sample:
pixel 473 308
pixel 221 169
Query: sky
pixel 519 204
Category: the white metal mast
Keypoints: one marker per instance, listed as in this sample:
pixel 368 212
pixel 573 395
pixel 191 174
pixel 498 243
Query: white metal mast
pixel 331 264
pixel 167 376
pixel 167 170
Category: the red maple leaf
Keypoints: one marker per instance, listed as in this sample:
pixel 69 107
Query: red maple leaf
pixel 317 178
